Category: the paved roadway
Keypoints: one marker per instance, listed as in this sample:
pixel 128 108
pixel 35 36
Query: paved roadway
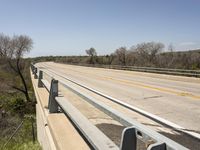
pixel 173 98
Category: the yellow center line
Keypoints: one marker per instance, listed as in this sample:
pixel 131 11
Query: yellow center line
pixel 156 88
pixel 136 84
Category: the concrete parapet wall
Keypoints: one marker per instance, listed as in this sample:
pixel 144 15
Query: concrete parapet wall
pixel 43 133
pixel 54 130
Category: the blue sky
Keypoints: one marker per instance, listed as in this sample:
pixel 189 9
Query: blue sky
pixel 68 27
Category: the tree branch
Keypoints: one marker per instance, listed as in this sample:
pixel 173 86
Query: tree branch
pixel 19 89
pixel 11 65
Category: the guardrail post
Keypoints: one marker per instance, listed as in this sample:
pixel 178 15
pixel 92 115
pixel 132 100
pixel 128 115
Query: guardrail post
pixel 32 67
pixel 53 105
pixel 157 146
pixel 35 73
pixel 40 84
pixel 129 139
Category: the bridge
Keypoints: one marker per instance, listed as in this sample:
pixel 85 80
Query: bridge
pixel 96 108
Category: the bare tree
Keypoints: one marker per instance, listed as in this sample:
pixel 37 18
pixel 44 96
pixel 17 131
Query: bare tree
pixel 110 59
pixel 92 53
pixel 171 47
pixel 4 45
pixel 121 55
pixel 13 49
pixel 171 55
pixel 148 51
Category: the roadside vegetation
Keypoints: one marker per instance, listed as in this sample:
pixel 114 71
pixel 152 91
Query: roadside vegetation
pixel 150 54
pixel 17 101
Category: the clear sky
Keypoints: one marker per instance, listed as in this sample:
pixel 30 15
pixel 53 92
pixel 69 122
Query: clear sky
pixel 68 27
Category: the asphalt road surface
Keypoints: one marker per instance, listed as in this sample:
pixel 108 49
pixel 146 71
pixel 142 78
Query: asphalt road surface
pixel 174 98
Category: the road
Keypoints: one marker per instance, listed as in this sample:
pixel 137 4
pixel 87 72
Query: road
pixel 174 98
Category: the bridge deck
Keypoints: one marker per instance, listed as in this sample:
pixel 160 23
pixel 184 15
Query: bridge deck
pixel 111 87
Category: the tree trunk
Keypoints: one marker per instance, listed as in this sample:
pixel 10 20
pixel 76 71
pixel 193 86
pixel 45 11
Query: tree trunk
pixel 23 82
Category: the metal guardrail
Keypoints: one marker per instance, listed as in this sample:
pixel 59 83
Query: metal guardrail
pixel 180 72
pixel 130 135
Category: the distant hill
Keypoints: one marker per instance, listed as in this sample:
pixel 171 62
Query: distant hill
pixel 192 51
pixel 186 51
